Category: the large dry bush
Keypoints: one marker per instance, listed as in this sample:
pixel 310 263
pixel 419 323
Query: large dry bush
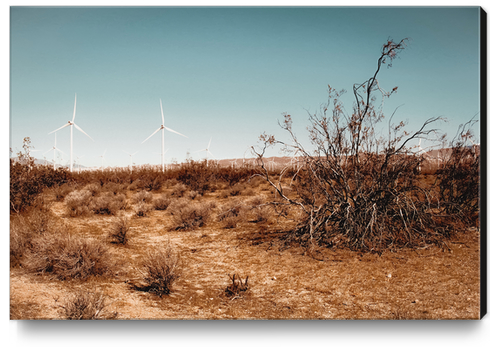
pixel 84 305
pixel 108 203
pixel 162 268
pixel 78 202
pixel 64 256
pixel 142 197
pixel 458 179
pixel 355 185
pixel 28 180
pixel 161 203
pixel 189 215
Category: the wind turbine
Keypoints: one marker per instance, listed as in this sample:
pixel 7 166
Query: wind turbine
pixel 102 156
pixel 163 128
pixel 71 124
pixel 54 149
pixel 207 150
pixel 131 158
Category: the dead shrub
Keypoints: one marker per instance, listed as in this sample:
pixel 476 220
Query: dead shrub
pixel 142 197
pixel 189 215
pixel 179 190
pixel 162 268
pixel 259 210
pixel 119 232
pixel 193 194
pixel 84 305
pixel 107 203
pixel 231 214
pixel 162 203
pixel 67 257
pixel 93 188
pixel 236 287
pixel 142 209
pixel 78 202
pixel 60 192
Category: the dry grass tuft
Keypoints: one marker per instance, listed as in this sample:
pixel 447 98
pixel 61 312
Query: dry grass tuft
pixel 86 306
pixel 119 232
pixel 162 269
pixel 231 214
pixel 142 209
pixel 142 197
pixel 237 286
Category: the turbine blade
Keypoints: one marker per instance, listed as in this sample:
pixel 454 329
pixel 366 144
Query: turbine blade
pixel 76 126
pixel 151 135
pixel 49 150
pixel 67 124
pixel 161 109
pixel 175 132
pixel 137 152
pixel 74 108
pixel 59 150
pixel 211 154
pixel 209 144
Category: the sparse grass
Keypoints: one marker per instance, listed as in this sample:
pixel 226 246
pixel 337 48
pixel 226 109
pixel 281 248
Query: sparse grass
pixel 119 232
pixel 237 286
pixel 162 268
pixel 188 215
pixel 84 305
pixel 65 257
pixel 231 214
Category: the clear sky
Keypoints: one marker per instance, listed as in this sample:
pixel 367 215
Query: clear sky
pixel 225 73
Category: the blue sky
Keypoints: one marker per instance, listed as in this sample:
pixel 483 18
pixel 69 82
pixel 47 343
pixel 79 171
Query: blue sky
pixel 225 73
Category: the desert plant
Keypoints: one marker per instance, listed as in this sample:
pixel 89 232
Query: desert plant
pixel 237 286
pixel 78 202
pixel 84 305
pixel 179 190
pixel 142 209
pixel 93 188
pixel 356 184
pixel 458 179
pixel 189 215
pixel 67 257
pixel 119 232
pixel 231 214
pixel 142 197
pixel 162 269
pixel 107 203
pixel 161 203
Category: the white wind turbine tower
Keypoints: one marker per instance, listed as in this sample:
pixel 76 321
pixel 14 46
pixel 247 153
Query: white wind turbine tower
pixel 103 156
pixel 163 128
pixel 131 160
pixel 207 150
pixel 54 149
pixel 71 124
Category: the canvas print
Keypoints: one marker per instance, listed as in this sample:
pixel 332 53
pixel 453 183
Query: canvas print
pixel 245 163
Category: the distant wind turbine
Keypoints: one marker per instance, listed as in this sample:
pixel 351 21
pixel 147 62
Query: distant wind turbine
pixel 131 159
pixel 103 156
pixel 54 149
pixel 163 128
pixel 207 150
pixel 71 124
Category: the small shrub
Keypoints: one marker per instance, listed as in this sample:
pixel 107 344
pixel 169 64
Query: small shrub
pixel 142 209
pixel 86 306
pixel 142 197
pixel 108 203
pixel 162 269
pixel 67 257
pixel 162 203
pixel 237 286
pixel 60 192
pixel 179 190
pixel 93 188
pixel 231 214
pixel 193 194
pixel 189 215
pixel 78 202
pixel 119 231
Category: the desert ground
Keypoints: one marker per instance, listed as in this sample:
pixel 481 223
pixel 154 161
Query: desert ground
pixel 272 280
